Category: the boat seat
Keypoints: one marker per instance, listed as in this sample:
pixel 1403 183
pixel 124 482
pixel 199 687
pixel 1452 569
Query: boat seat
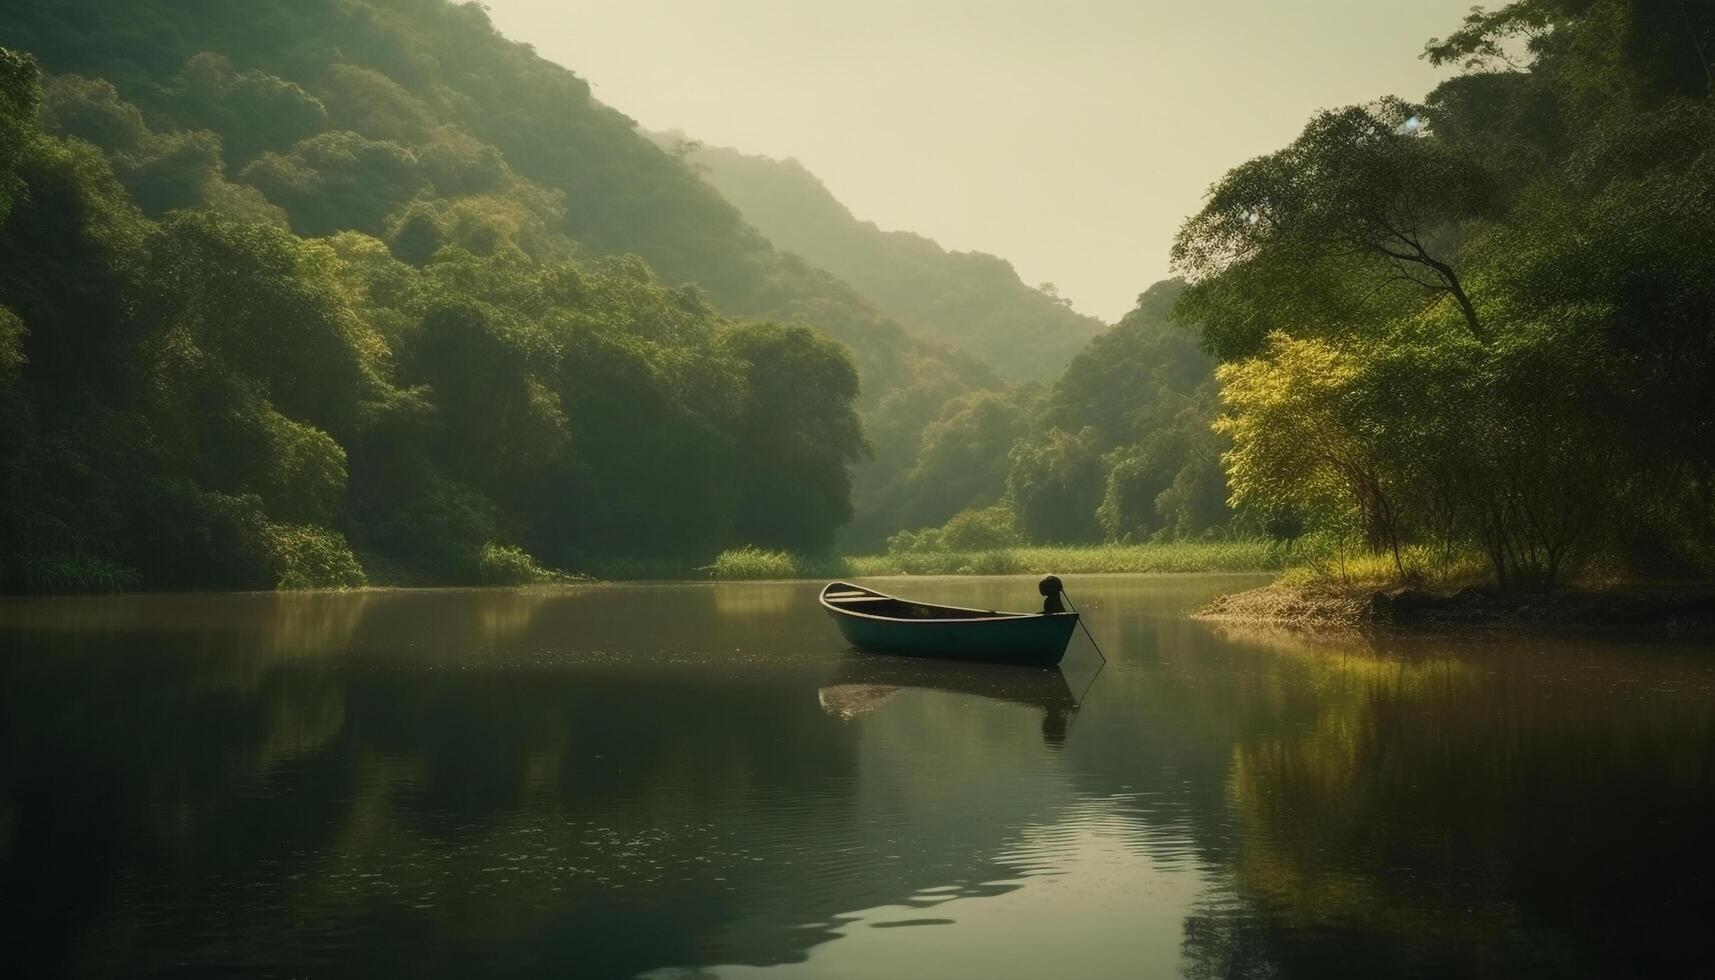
pixel 845 595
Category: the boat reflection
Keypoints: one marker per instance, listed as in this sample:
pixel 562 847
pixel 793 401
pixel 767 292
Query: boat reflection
pixel 864 682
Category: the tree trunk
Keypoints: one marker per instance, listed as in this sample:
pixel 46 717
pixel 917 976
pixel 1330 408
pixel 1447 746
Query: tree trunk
pixel 1470 311
pixel 1451 280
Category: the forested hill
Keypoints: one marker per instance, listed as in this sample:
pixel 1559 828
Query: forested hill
pixel 342 110
pixel 454 216
pixel 1473 335
pixel 971 299
pixel 1484 324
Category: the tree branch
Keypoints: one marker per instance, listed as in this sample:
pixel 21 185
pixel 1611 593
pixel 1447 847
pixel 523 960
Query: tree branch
pixel 1442 270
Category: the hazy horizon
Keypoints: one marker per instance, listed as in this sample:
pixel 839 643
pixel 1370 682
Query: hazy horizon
pixel 1077 167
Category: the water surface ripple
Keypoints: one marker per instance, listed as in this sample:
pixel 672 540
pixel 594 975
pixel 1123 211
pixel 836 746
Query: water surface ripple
pixel 694 780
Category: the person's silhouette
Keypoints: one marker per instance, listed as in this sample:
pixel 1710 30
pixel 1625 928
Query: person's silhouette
pixel 1051 588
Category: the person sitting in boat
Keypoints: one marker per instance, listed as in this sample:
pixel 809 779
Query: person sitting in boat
pixel 1051 588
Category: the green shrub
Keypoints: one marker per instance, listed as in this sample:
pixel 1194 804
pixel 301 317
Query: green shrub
pixel 982 530
pixel 992 563
pixel 926 541
pixel 60 573
pixel 753 563
pixel 442 526
pixel 977 529
pixel 504 564
pixel 305 556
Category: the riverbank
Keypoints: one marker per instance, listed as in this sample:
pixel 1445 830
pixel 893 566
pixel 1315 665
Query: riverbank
pixel 1174 557
pixel 1673 611
pixel 509 567
pixel 743 564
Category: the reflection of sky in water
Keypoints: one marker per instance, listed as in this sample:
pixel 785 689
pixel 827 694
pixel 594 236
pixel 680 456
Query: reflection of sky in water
pixel 1087 901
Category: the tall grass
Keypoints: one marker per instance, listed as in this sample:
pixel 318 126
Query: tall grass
pixel 753 564
pixel 740 564
pixel 1344 564
pixel 1178 556
pixel 501 564
pixel 62 573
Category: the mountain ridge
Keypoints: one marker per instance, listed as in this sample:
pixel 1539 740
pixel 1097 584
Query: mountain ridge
pixel 972 299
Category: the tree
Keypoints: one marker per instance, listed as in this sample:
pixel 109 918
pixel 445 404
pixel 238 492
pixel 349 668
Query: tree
pixel 1132 379
pixel 337 182
pixel 1299 438
pixel 798 434
pixel 1647 50
pixel 1362 203
pixel 372 105
pixel 1055 484
pixel 163 171
pixel 254 111
pixel 963 460
pixel 19 95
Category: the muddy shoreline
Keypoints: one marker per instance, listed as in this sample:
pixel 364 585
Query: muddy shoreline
pixel 1665 611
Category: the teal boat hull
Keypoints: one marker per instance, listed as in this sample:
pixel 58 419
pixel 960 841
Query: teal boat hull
pixel 880 623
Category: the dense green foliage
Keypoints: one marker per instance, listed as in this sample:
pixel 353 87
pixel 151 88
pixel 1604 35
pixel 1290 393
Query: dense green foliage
pixel 292 289
pixel 492 366
pixel 209 399
pixel 1119 449
pixel 1481 325
pixel 1143 395
pixel 970 299
pixel 1165 557
pixel 1486 322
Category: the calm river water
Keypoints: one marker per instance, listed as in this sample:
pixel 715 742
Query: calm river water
pixel 699 780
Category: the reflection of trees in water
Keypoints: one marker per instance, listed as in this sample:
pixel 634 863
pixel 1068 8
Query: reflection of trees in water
pixel 751 601
pixel 429 772
pixel 1434 807
pixel 1474 814
pixel 445 774
pixel 1159 725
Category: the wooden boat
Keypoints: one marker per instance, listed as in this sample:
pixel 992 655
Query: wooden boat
pixel 881 623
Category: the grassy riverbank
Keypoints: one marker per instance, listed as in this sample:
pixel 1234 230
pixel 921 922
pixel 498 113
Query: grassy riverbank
pixel 1675 610
pixel 1439 592
pixel 1180 556
pixel 500 566
pixel 1186 556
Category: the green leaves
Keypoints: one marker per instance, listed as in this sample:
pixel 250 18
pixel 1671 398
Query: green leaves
pixel 1560 216
pixel 254 111
pixel 798 434
pixel 1361 210
pixel 216 401
pixel 338 181
pixel 492 171
pixel 18 98
pixel 1055 484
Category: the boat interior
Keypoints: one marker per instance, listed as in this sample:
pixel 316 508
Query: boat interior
pixel 873 604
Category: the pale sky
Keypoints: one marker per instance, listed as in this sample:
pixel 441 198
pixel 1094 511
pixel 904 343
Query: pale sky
pixel 1070 137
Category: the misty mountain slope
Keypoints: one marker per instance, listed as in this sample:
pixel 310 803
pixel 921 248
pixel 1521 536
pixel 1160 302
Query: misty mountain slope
pixel 403 72
pixel 971 299
pixel 415 121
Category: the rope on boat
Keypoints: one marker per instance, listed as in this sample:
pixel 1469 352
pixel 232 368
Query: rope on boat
pixel 1085 627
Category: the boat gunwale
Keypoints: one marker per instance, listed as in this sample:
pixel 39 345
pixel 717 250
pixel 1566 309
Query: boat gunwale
pixel 994 615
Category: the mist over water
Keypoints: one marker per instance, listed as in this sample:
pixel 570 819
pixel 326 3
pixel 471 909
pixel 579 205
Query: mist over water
pixel 669 779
